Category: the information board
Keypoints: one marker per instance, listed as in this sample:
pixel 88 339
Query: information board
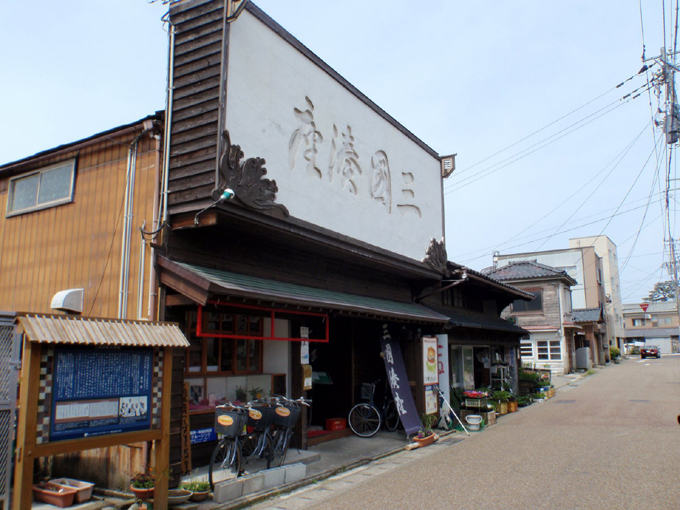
pixel 100 391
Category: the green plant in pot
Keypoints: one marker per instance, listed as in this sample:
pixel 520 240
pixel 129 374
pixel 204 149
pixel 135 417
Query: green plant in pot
pixel 200 489
pixel 241 394
pixel 142 484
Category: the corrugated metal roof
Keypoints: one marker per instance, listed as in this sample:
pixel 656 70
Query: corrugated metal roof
pixel 253 287
pixel 60 329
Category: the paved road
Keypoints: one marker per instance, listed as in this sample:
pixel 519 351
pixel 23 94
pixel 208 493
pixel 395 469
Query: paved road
pixel 611 441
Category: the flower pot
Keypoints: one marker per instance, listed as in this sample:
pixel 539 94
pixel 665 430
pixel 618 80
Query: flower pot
pixel 142 494
pixel 83 489
pixel 512 406
pixel 502 408
pixel 424 441
pixel 196 497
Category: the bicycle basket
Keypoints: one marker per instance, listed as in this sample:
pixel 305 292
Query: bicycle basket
pixel 367 391
pixel 260 417
pixel 228 422
pixel 286 416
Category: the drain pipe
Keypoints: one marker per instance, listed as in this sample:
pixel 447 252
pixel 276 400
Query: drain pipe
pixel 168 121
pixel 123 287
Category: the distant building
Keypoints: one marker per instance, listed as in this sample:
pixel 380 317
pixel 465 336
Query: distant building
pixel 657 325
pixel 606 250
pixel 548 317
pixel 588 294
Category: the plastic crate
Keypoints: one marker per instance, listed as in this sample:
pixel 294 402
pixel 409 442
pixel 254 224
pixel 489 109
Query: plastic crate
pixel 336 424
pixel 476 402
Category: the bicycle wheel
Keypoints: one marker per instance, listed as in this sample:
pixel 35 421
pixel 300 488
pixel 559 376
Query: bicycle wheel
pixel 391 416
pixel 257 451
pixel 364 420
pixel 281 440
pixel 225 463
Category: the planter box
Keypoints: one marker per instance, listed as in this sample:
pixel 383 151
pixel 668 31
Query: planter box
pixel 54 494
pixel 476 402
pixel 84 489
pixel 489 418
pixel 512 406
pixel 424 441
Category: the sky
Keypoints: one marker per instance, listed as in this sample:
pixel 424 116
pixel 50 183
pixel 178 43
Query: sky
pixel 524 92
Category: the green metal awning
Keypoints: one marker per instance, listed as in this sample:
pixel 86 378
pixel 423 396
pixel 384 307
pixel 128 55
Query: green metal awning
pixel 199 283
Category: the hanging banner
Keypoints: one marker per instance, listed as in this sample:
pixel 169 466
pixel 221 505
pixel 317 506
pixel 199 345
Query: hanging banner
pixel 443 365
pixel 430 375
pixel 398 381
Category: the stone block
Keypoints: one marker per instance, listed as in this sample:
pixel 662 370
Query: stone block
pixel 226 491
pixel 274 477
pixel 295 472
pixel 252 483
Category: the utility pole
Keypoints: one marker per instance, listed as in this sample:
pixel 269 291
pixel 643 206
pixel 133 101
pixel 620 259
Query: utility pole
pixel 672 131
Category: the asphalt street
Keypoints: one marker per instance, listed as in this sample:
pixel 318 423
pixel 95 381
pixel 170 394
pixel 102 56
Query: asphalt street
pixel 608 441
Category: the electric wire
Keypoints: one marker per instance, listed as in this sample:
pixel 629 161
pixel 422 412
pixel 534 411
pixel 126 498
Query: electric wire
pixel 620 155
pixel 480 175
pixel 552 123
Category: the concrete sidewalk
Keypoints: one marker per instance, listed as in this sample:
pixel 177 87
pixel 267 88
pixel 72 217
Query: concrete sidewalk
pixel 331 458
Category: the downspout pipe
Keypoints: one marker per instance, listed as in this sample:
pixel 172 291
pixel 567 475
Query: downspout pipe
pixel 168 120
pixel 128 213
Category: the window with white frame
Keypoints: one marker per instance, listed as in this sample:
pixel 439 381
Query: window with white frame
pixel 42 188
pixel 526 348
pixel 638 322
pixel 549 350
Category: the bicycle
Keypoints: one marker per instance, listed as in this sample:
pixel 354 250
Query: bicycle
pixel 257 447
pixel 226 459
pixel 365 419
pixel 286 415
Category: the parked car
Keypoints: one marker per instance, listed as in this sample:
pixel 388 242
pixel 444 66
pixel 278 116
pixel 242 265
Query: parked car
pixel 649 351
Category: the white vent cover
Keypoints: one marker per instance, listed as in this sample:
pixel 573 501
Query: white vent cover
pixel 70 300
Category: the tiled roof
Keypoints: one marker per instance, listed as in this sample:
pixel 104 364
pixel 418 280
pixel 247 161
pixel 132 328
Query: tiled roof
pixel 462 318
pixel 527 270
pixel 491 279
pixel 587 315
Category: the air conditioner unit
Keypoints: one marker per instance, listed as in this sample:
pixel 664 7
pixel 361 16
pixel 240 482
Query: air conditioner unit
pixel 648 316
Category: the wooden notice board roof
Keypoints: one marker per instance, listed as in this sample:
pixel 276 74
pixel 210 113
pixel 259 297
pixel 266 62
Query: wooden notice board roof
pixel 61 329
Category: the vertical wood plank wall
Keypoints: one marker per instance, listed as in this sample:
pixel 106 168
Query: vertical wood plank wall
pixel 193 142
pixel 79 244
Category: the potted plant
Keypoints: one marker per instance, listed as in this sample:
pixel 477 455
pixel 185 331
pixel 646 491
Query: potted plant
pixel 200 489
pixel 524 400
pixel 241 394
pixel 501 398
pixel 142 484
pixel 425 435
pixel 615 354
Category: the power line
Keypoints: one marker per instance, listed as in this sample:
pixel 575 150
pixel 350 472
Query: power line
pixel 553 122
pixel 480 175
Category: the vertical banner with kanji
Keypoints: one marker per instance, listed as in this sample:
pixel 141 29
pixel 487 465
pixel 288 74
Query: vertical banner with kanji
pixel 398 381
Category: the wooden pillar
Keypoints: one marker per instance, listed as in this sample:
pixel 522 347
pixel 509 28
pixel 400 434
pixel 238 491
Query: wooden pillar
pixel 297 385
pixel 162 445
pixel 27 426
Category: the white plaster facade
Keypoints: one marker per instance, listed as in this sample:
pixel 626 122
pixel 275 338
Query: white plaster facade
pixel 338 163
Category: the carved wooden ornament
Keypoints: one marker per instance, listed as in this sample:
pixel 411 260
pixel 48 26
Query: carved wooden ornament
pixel 435 256
pixel 246 179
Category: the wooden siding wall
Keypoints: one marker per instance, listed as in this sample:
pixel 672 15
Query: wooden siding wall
pixel 79 244
pixel 197 69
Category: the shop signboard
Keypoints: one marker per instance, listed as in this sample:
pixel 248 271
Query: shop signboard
pixel 203 435
pixel 100 391
pixel 443 365
pixel 431 399
pixel 430 375
pixel 398 380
